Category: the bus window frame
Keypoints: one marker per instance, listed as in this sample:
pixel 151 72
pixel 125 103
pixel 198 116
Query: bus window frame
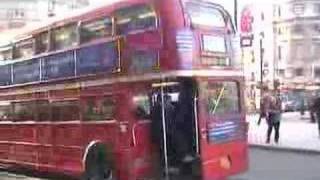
pixel 24 40
pixel 52 46
pixel 228 27
pixel 9 112
pixel 101 97
pixel 7 47
pixel 34 109
pixel 205 98
pixel 78 103
pixel 92 20
pixel 47 48
pixel 215 53
pixel 152 6
pixel 201 26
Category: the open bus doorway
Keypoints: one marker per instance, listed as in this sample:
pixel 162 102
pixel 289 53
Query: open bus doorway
pixel 174 127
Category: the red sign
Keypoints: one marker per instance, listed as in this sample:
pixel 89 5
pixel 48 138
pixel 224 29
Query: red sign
pixel 246 20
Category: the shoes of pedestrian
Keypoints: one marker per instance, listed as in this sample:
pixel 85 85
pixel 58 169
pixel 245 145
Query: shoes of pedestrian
pixel 268 141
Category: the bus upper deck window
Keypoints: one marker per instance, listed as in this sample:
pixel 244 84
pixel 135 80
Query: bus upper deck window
pixel 135 18
pixel 203 15
pixel 24 49
pixel 42 42
pixel 5 53
pixel 95 29
pixel 64 37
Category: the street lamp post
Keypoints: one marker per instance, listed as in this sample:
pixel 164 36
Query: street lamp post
pixel 261 67
pixel 236 13
pixel 261 60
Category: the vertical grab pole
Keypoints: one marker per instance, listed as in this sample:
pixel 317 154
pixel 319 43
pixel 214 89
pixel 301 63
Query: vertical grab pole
pixel 165 153
pixel 196 123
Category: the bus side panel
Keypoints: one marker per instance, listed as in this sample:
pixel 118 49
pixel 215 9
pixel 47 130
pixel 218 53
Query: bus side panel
pixel 6 136
pixel 107 133
pixel 25 145
pixel 236 151
pixel 45 149
pixel 68 147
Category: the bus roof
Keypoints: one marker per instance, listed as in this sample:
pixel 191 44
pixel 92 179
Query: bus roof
pixel 75 16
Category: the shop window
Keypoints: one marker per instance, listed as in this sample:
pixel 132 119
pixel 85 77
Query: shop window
pixel 317 72
pixel 279 53
pixel 317 8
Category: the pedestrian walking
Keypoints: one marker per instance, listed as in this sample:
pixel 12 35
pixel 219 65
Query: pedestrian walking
pixel 264 105
pixel 316 107
pixel 302 106
pixel 274 118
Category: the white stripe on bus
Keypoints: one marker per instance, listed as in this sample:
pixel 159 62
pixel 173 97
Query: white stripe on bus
pixel 133 78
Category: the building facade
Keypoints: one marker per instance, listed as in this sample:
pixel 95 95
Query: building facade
pixel 297 43
pixel 257 50
pixel 18 13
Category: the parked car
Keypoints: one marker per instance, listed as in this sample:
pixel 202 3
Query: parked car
pixel 293 103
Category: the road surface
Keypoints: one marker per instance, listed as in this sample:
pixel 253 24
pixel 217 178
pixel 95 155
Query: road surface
pixel 264 165
pixel 277 165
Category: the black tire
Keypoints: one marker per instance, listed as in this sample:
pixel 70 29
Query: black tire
pixel 97 165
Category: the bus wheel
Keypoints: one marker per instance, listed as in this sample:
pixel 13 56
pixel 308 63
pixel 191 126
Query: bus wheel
pixel 96 165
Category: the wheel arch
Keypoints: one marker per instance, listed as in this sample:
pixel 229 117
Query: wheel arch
pixel 94 145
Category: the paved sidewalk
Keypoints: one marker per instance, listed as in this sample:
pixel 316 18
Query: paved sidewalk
pixel 296 133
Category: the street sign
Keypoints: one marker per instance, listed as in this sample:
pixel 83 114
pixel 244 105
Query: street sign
pixel 246 41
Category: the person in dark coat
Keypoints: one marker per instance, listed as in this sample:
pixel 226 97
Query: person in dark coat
pixel 274 118
pixel 312 108
pixel 185 122
pixel 264 105
pixel 316 107
pixel 157 127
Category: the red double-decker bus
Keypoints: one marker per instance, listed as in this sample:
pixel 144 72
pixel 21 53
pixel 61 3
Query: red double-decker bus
pixel 85 96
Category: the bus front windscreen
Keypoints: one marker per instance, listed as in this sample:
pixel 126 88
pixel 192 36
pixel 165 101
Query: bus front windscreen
pixel 204 16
